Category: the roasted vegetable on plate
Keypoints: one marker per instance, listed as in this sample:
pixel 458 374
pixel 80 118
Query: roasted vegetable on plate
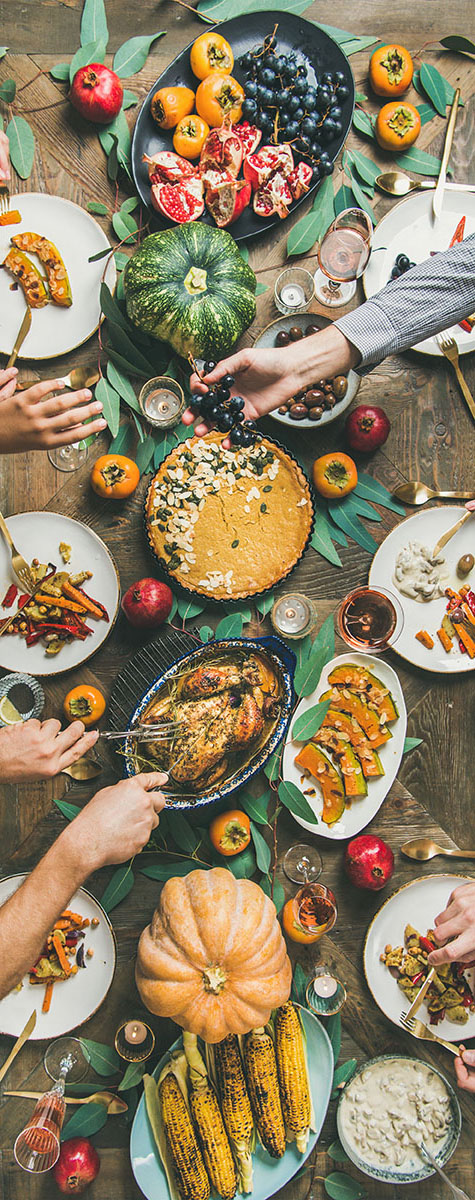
pixel 449 994
pixel 58 610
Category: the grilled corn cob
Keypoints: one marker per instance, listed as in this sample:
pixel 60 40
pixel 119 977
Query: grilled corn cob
pixel 261 1074
pixel 208 1121
pixel 190 1171
pixel 292 1073
pixel 235 1106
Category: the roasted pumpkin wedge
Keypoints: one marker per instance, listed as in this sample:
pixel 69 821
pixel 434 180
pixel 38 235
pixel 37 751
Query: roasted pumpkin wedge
pixel 350 702
pixel 348 728
pixel 359 679
pixel 312 759
pixel 346 759
pixel 30 279
pixel 58 282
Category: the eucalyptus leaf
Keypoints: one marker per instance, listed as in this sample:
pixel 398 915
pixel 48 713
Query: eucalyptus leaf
pixel 165 870
pixel 365 166
pixel 265 603
pixel 133 54
pixel 129 99
pixel 434 86
pixel 256 807
pixel 293 799
pixel 340 1186
pixel 360 198
pixel 123 386
pixel 245 611
pixel 94 22
pixel 100 254
pixel 3 51
pixel 333 1028
pixel 272 766
pixel 310 722
pixel 121 362
pixel 123 442
pixel 110 401
pixel 162 448
pixel 343 199
pixel 7 90
pixel 261 288
pixel 129 204
pixel 206 634
pixel 299 985
pixel 138 425
pixel 22 145
pixel 189 608
pixel 103 1059
pixel 351 524
pixel 117 128
pixel 309 229
pixel 99 210
pixel 90 52
pixel 302 649
pixel 343 1074
pixel 244 252
pixel 337 1153
pixel 418 161
pixel 363 123
pixel 426 112
pixel 242 866
pixel 144 454
pixel 230 626
pixel 221 10
pixel 183 835
pixel 276 893
pixel 70 811
pixel 60 72
pixel 372 489
pixel 360 508
pixel 263 854
pixel 410 743
pixel 113 159
pixel 125 346
pixel 307 676
pixel 454 41
pixel 118 887
pixel 358 43
pixel 133 1075
pixel 120 259
pixel 360 98
pixel 125 226
pixel 87 1119
pixel 112 309
pixel 321 538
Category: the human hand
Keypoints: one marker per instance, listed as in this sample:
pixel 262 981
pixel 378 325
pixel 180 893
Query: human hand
pixel 31 750
pixel 470 505
pixel 4 157
pixel 118 821
pixel 457 922
pixel 29 421
pixel 465 1069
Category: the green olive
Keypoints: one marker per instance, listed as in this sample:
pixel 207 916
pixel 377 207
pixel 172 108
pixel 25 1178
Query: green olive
pixel 465 565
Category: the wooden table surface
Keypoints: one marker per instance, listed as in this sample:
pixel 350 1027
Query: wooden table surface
pixel 432 438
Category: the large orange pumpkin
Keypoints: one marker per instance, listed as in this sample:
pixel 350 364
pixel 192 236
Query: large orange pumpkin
pixel 213 958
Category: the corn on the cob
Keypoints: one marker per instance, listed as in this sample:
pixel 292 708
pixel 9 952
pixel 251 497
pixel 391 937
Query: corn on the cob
pixel 292 1073
pixel 190 1170
pixel 261 1074
pixel 235 1106
pixel 208 1121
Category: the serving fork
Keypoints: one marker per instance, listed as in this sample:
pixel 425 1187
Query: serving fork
pixel 456 1191
pixel 424 1034
pixel 143 733
pixel 19 565
pixel 4 198
pixel 449 349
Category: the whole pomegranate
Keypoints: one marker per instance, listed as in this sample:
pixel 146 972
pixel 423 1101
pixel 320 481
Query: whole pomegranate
pixel 369 862
pixel 96 93
pixel 77 1166
pixel 367 428
pixel 147 603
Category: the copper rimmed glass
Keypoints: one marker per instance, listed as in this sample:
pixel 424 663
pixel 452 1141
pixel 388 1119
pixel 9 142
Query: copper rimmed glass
pixel 342 256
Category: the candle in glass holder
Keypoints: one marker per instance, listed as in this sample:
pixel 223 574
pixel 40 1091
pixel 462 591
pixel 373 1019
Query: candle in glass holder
pixel 134 1041
pixel 325 986
pixel 293 615
pixel 135 1032
pixel 162 402
pixel 293 291
pixel 325 994
pixel 292 295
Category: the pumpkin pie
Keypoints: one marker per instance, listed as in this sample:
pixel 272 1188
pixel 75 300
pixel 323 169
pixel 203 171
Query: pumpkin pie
pixel 228 524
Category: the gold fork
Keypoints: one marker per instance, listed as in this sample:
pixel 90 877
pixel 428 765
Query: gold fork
pixel 19 565
pixel 424 1034
pixel 449 349
pixel 4 198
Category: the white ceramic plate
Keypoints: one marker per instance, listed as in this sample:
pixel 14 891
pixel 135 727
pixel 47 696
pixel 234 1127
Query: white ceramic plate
pixel 362 811
pixel 270 1174
pixel 266 340
pixel 77 236
pixel 426 527
pixel 417 904
pixel 38 534
pixel 75 999
pixel 410 228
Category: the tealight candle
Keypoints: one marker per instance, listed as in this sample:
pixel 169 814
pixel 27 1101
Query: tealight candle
pixel 293 615
pixel 162 402
pixel 325 986
pixel 292 295
pixel 135 1032
pixel 134 1041
pixel 294 291
pixel 325 993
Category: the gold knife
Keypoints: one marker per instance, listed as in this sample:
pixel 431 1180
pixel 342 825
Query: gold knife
pixel 22 332
pixel 450 532
pixel 29 1027
pixel 438 197
pixel 420 995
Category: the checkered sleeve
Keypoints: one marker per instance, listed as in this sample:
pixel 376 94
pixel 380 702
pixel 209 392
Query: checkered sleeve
pixel 432 296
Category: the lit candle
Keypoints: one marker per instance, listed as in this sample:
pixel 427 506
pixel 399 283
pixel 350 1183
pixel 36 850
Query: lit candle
pixel 135 1033
pixel 292 295
pixel 293 615
pixel 325 986
pixel 162 401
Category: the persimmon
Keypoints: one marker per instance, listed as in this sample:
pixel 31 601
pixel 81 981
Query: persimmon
pixel 84 703
pixel 190 135
pixel 292 927
pixel 211 52
pixel 334 475
pixel 219 96
pixel 390 70
pixel 230 832
pixel 170 104
pixel 114 476
pixel 398 125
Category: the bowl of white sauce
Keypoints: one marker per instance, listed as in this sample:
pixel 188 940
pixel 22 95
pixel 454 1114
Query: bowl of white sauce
pixel 391 1105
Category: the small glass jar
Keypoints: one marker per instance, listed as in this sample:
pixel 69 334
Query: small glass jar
pixel 294 290
pixel 325 994
pixel 134 1040
pixel 293 616
pixel 162 402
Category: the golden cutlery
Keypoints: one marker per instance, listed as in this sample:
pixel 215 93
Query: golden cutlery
pixel 19 565
pixel 449 349
pixel 396 183
pixel 21 335
pixel 450 532
pixel 424 1034
pixel 415 492
pixel 404 1017
pixel 4 199
pixel 422 849
pixel 113 1103
pixel 438 197
pixel 24 1035
pixel 4 625
pixel 456 1191
pixel 79 377
pixel 83 768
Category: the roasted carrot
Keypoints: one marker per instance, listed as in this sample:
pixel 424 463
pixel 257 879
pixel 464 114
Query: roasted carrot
pixel 72 916
pixel 59 602
pixel 12 217
pixel 465 638
pixel 82 600
pixel 424 637
pixel 59 948
pixel 47 996
pixel 444 638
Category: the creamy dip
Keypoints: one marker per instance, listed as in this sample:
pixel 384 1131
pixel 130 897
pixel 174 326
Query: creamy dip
pixel 418 575
pixel 390 1108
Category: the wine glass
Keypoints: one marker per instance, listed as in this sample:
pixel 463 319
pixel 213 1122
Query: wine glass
pixel 69 458
pixel 302 863
pixel 37 1146
pixel 342 256
pixel 314 909
pixel 370 619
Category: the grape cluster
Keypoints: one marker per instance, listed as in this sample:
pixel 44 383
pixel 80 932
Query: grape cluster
pixel 401 265
pixel 280 101
pixel 219 408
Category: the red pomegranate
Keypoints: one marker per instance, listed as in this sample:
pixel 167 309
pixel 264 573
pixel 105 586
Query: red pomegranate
pixel 77 1166
pixel 367 428
pixel 147 603
pixel 180 202
pixel 96 93
pixel 222 148
pixel 258 168
pixel 226 197
pixel 249 136
pixel 369 862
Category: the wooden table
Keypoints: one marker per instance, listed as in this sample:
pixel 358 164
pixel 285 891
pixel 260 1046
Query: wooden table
pixel 432 438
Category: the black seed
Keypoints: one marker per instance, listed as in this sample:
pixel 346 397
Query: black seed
pixel 263 507
pixel 234 543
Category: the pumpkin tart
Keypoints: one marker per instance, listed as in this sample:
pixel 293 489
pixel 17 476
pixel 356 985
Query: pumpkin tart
pixel 228 524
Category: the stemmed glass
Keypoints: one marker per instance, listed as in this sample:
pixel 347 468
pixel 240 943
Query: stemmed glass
pixel 37 1146
pixel 342 256
pixel 303 863
pixel 370 619
pixel 69 458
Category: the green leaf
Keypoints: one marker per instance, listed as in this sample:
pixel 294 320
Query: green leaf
pixel 123 442
pixel 183 835
pixel 104 1059
pixel 206 634
pixel 299 985
pixel 333 1028
pixel 309 229
pixel 144 454
pixel 321 539
pixel 454 41
pixel 221 10
pixel 245 611
pixel 7 90
pixel 22 145
pixel 360 198
pixel 244 252
pixel 90 52
pixel 112 310
pixel 343 199
pixel 110 401
pixel 434 86
pixel 443 84
pixel 3 51
pixel 165 870
pixel 125 226
pixel 307 676
pixel 138 426
pixel 87 1119
pixel 129 99
pixel 276 894
pixel 302 648
pixel 100 254
pixel 272 766
pixel 189 608
pixel 125 346
pixel 94 23
pixel 60 72
pixel 337 1152
pixel 261 288
pixel 129 204
pixel 100 210
pixel 118 887
pixel 426 112
pixel 132 55
pixel 310 722
pixel 358 43
pixel 293 799
pixel 365 166
pixel 263 854
pixel 133 1075
pixel 121 362
pixel 340 1186
pixel 70 811
pixel 358 506
pixel 242 866
pixel 265 603
pixel 120 259
pixel 363 123
pixel 418 161
pixel 230 626
pixel 360 97
pixel 350 524
pixel 409 744
pixel 343 1074
pixel 123 386
pixel 119 129
pixel 371 489
pixel 339 35
pixel 256 807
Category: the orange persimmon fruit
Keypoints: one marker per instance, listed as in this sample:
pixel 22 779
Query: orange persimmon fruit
pixel 334 475
pixel 293 929
pixel 219 96
pixel 170 104
pixel 84 703
pixel 390 70
pixel 190 136
pixel 211 52
pixel 230 832
pixel 398 125
pixel 114 476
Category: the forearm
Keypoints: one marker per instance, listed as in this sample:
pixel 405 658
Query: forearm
pixel 28 916
pixel 321 356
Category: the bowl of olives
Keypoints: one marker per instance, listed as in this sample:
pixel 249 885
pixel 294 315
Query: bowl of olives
pixel 325 399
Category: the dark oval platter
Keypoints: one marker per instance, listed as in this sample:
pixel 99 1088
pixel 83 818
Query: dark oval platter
pixel 320 54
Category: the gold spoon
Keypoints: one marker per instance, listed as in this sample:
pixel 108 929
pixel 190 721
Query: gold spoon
pixel 78 378
pixel 113 1104
pixel 416 492
pixel 396 183
pixel 421 849
pixel 83 768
